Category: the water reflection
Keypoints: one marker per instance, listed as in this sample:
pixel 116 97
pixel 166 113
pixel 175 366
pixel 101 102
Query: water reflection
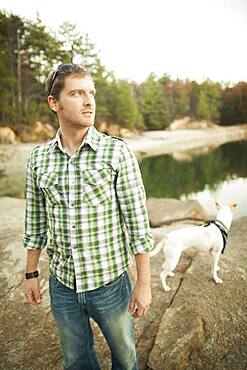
pixel 227 192
pixel 167 177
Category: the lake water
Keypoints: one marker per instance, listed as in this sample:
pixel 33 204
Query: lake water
pixel 220 175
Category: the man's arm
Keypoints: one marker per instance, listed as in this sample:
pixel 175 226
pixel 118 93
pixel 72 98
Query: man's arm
pixel 31 286
pixel 35 233
pixel 141 296
pixel 132 200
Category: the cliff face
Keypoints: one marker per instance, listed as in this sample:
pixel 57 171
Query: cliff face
pixel 197 325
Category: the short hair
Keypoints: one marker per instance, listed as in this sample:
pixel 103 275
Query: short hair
pixel 55 80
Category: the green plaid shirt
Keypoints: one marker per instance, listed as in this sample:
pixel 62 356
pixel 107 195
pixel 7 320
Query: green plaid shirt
pixel 94 206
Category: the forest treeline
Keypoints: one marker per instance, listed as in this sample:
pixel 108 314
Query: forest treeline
pixel 29 51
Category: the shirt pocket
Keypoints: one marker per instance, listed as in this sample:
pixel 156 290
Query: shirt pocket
pixel 48 183
pixel 98 186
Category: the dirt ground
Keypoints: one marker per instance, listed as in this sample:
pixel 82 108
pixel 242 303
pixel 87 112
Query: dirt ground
pixel 168 338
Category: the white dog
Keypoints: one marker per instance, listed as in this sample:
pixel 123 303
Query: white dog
pixel 209 237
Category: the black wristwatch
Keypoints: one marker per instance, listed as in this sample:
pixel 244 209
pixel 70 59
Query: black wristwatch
pixel 31 275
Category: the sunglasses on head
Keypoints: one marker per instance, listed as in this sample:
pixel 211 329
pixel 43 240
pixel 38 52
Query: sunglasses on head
pixel 62 68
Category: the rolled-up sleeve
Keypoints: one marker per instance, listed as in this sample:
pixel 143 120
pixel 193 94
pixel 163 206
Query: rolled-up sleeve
pixel 132 200
pixel 35 230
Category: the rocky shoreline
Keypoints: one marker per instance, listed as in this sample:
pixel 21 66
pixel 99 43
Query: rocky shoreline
pixel 197 326
pixel 185 142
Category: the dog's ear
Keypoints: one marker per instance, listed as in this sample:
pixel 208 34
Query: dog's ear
pixel 233 206
pixel 217 204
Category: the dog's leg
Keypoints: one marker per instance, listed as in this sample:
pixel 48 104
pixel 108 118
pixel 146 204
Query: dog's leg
pixel 216 257
pixel 217 267
pixel 163 276
pixel 169 265
pixel 170 273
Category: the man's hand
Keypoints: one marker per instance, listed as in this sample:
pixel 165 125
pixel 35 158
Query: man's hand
pixel 140 300
pixel 32 291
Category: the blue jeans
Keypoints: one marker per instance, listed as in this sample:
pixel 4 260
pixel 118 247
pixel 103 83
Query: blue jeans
pixel 108 306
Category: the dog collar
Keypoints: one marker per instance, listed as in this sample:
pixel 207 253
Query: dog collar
pixel 223 229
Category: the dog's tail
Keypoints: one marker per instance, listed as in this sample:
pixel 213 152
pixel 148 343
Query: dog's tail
pixel 157 248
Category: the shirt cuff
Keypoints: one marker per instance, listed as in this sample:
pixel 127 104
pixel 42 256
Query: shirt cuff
pixel 142 245
pixel 34 242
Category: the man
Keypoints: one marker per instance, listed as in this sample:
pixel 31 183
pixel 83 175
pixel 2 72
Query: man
pixel 86 189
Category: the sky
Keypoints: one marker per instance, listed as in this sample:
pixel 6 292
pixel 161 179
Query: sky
pixel 194 39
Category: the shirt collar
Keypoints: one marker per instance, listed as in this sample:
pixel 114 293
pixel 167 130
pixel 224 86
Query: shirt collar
pixel 92 139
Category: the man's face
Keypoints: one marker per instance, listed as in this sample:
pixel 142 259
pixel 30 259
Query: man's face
pixel 76 104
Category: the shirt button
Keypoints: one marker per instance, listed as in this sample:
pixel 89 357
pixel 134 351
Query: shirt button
pixel 72 204
pixel 73 226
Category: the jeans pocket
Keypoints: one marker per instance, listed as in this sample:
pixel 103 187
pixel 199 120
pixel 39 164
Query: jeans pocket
pixel 113 282
pixel 53 281
pixel 111 299
pixel 113 286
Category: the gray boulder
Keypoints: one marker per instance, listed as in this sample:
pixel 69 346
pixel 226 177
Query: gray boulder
pixel 166 211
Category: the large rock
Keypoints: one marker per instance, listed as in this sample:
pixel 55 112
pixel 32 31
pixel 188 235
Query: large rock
pixel 7 136
pixel 113 129
pixel 180 333
pixel 165 211
pixel 39 132
pixel 198 325
pixel 189 123
pixel 205 328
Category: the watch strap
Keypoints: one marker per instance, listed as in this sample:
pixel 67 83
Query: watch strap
pixel 31 275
